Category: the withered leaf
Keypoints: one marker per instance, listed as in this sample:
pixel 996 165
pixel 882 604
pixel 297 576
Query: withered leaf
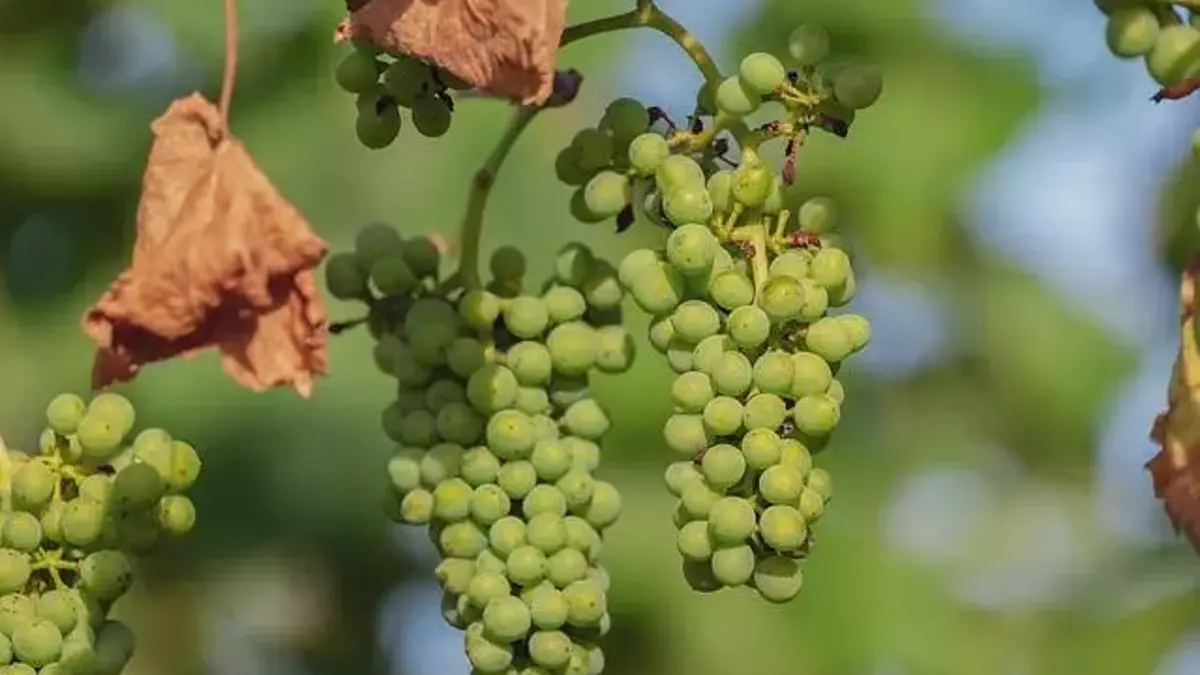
pixel 507 48
pixel 221 260
pixel 1175 469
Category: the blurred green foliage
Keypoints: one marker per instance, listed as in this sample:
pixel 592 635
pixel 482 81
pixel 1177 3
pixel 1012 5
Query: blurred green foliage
pixel 291 490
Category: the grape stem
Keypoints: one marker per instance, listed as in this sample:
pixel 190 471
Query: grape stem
pixel 481 188
pixel 648 15
pixel 231 58
pixel 755 235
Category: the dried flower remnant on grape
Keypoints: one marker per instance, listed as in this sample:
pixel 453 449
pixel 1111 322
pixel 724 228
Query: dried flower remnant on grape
pixel 505 47
pixel 221 260
pixel 1175 469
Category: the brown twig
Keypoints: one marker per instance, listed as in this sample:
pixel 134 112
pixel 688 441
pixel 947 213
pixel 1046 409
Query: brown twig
pixel 231 58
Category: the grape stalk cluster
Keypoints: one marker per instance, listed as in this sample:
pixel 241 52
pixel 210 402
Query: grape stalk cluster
pixel 74 517
pixel 741 298
pixel 385 83
pixel 497 439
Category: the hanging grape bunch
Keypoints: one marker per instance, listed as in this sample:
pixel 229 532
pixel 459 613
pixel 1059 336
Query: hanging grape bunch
pixel 498 439
pixel 74 516
pixel 384 83
pixel 740 296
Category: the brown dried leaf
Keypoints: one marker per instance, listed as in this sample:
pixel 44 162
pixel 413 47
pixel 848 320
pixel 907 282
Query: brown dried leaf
pixel 221 260
pixel 507 48
pixel 1175 470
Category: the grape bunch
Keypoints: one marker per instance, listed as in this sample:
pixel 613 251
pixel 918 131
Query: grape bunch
pixel 74 516
pixel 385 83
pixel 498 441
pixel 1156 34
pixel 623 168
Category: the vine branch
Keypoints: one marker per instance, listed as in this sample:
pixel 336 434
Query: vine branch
pixel 229 77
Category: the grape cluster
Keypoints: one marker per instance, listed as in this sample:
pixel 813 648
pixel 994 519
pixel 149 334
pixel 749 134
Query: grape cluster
pixel 74 515
pixel 1169 47
pixel 498 441
pixel 621 167
pixel 385 83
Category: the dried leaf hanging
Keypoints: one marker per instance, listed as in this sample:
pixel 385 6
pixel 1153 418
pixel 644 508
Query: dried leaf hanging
pixel 221 260
pixel 507 48
pixel 1175 470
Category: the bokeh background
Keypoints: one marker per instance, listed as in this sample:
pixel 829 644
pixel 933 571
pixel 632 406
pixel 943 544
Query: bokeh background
pixel 1018 209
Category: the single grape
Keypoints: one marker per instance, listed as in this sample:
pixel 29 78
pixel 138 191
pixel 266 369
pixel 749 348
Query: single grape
pixel 625 118
pixel 431 116
pixel 615 350
pixel 752 182
pixel 65 412
pixel 688 204
pixel 14 570
pixel 731 289
pixel 778 579
pixel 377 127
pixel 357 73
pixel 816 215
pixel 37 643
pixel 720 191
pixel 407 78
pixel 816 415
pixel 647 152
pixel 761 73
pixel 783 528
pixel 692 249
pixel 99 437
pixel 106 575
pixel 602 289
pixel 828 339
pixel 32 486
pixel 687 434
pixel 678 171
pixel 1132 32
pixel 737 99
pixel 606 194
pixel 658 289
pixel 858 86
pixel 749 326
pixel 82 521
pixel 694 540
pixel 732 374
pixel 808 44
pixel 723 416
pixel 733 566
pixel 731 521
pixel 595 148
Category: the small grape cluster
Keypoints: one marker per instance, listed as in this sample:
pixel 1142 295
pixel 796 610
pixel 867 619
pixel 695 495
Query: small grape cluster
pixel 1169 47
pixel 74 515
pixel 385 83
pixel 497 439
pixel 623 168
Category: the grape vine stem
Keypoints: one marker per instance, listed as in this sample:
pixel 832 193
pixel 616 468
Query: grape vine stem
pixel 229 76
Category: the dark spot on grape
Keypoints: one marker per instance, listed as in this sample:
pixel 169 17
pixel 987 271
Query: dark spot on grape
pixel 625 218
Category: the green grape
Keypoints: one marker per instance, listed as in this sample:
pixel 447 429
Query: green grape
pixel 547 607
pixel 761 72
pixel 551 459
pixel 442 462
pixel 65 412
pixel 1132 32
pixel 836 392
pixel 416 507
pixel 845 293
pixel 507 263
pixel 568 389
pixel 377 127
pixel 507 619
pixel 731 289
pixel 424 257
pixel 752 181
pixel 574 264
pixel 82 521
pixel 564 304
pixel 357 73
pixel 782 299
pixel 857 329
pixel 595 149
pixel 404 470
pixel 488 656
pixel 517 479
pixel 375 241
pixel 781 484
pixel 720 191
pixel 606 194
pixel 625 118
pixel 678 171
pixel 817 215
pixel 691 249
pixel 749 326
pixel 692 391
pixel 732 374
pixel 344 278
pixel 550 649
pixel 546 532
pixel 1174 56
pixel 697 499
pixel 106 575
pixel 657 290
pixel 392 276
pixel 455 574
pixel 688 434
pixel 821 482
pixel 37 642
pixel 479 309
pixel 572 348
pixel 764 411
pixel 723 466
pixel 731 521
pixel 773 373
pixel 16 609
pixel 828 339
pixel 680 355
pixel 492 388
pixel 783 528
pixel 811 374
pixel 615 350
pixel 816 415
pixel 733 566
pixel 705 355
pixel 23 532
pixel 506 535
pixel 526 316
pixel 699 576
pixel 567 168
pixel 32 486
pixel 857 86
pixel 115 408
pixel 737 99
pixel 407 78
pixel 459 423
pixel 602 289
pixel 634 264
pixel 431 116
pixel 773 204
pixel 647 152
pixel 695 320
pixel 137 486
pixel 661 334
pixel 99 437
pixel 530 362
pixel 694 541
pixel 605 506
pixel 778 579
pixel 808 44
pixel 586 419
pixel 462 539
pixel 442 393
pixel 792 264
pixel 585 603
pixel 830 267
pixel 544 499
pixel 761 448
pixel 452 500
pixel 566 567
pixel 723 416
pixel 688 204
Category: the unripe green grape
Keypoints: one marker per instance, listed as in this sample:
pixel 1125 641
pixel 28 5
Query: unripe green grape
pixel 452 500
pixel 507 619
pixel 723 416
pixel 858 86
pixel 584 454
pixel 572 348
pixel 530 363
pixel 857 328
pixel 595 148
pixel 487 656
pixel 731 521
pixel 687 434
pixel 18 669
pixel 808 44
pixel 774 372
pixel 1175 56
pixel 564 303
pixel 51 521
pixel 586 603
pixel 392 276
pixel 828 339
pixel 625 118
pixel 357 72
pixel 836 391
pixel 731 289
pixel 378 127
pixel 699 576
pixel 691 391
pixel 586 419
pixel 764 411
pixel 661 334
pixel 517 479
pixel 462 539
pixel 454 575
pixel 577 487
pixel 59 607
pixel 678 171
pixel 526 316
pixel 657 290
pixel 733 566
pixel 821 482
pixel 507 263
pixel 816 415
pixel 692 249
pixel 492 388
pixel 778 579
pixel 444 392
pixel 14 570
pixel 816 301
pixel 65 412
pixel 843 294
pixel 761 72
pixel 479 309
pixel 16 609
pixel 774 201
pixel 694 541
pixel 647 152
pixel 720 191
pixel 781 484
pixel 416 507
pixel 606 194
pixel 688 204
pixel 106 575
pixel 546 532
pixel 723 466
pixel 695 320
pixel 706 353
pixel 817 215
pixel 82 521
pixel 544 499
pixel 748 326
pixel 698 498
pixel 567 168
pixel 680 355
pixel 442 462
pixel 602 289
pixel 547 606
pixel 783 528
pixel 794 264
pixel 582 537
pixel 417 428
pixel 506 535
pixel 811 374
pixel 830 267
pixel 550 459
pixel 812 505
pixel 568 389
pixel 782 299
pixel 99 438
pixel 488 504
pixel 32 486
pixel 737 99
pixel 22 531
pixel 636 262
pixel 550 649
pixel 116 409
pixel 732 374
pixel 605 506
pixel 431 116
pixel 615 350
pixel 137 486
pixel 459 423
pixel 37 643
pixel 566 567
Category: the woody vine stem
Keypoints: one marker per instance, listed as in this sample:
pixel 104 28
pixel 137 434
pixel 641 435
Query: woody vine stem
pixel 645 15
